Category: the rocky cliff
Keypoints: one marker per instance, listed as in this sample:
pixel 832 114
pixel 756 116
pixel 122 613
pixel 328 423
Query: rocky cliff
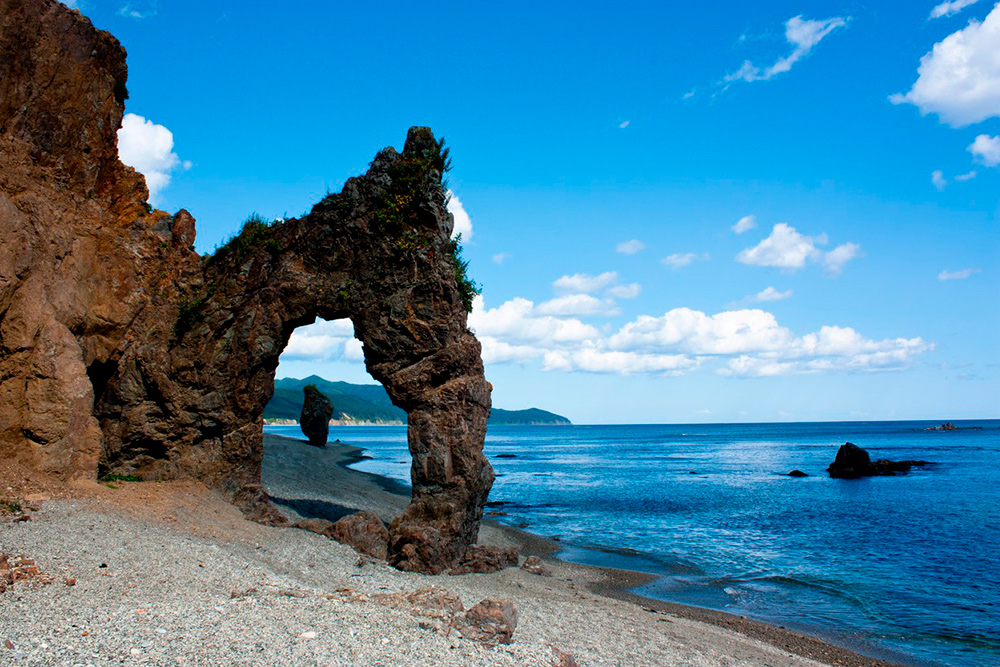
pixel 122 350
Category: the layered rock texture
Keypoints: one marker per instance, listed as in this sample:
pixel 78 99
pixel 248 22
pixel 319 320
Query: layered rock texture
pixel 124 351
pixel 315 418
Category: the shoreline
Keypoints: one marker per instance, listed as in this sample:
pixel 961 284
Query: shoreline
pixel 618 584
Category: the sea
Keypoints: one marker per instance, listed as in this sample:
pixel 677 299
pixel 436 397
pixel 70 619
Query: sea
pixel 903 568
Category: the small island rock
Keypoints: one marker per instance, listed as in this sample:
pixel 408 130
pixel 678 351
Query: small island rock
pixel 316 412
pixel 797 473
pixel 853 462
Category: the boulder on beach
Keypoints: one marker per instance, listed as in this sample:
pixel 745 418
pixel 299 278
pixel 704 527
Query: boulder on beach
pixel 316 412
pixel 365 532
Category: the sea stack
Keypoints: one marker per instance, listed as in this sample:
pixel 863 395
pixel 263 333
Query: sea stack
pixel 316 412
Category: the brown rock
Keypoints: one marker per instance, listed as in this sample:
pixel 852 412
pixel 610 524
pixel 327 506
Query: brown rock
pixel 321 526
pixel 485 559
pixel 435 602
pixel 534 565
pixel 365 532
pixel 122 351
pixel 490 621
pixel 563 659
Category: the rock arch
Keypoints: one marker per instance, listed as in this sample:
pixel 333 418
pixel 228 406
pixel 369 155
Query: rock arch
pixel 142 357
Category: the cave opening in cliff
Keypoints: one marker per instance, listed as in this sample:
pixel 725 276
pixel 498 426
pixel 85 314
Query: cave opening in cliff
pixel 365 429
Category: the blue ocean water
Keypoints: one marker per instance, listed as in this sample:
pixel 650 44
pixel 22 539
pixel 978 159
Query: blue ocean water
pixel 904 568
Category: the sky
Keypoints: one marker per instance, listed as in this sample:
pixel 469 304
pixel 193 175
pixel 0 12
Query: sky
pixel 677 212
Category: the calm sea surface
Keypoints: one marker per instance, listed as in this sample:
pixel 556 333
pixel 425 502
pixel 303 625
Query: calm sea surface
pixel 904 568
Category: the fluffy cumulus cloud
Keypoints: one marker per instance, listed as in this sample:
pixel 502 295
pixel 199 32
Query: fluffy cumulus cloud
pixel 463 223
pixel 771 294
pixel 630 247
pixel 149 149
pixel 938 180
pixel 986 149
pixel 957 275
pixel 950 8
pixel 959 80
pixel 740 343
pixel 582 283
pixel 803 35
pixel 745 224
pixel 785 248
pixel 323 341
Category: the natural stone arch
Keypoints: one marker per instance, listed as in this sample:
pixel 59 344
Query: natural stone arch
pixel 188 398
pixel 123 350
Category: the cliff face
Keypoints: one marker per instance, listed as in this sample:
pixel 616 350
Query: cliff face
pixel 122 350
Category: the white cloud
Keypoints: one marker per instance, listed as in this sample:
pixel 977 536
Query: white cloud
pixel 689 94
pixel 630 247
pixel 950 8
pixel 519 321
pixel 835 260
pixel 623 363
pixel 625 123
pixel 578 304
pixel 501 257
pixel 679 260
pixel 149 149
pixel 771 294
pixel 958 275
pixel 131 12
pixel 463 223
pixel 959 79
pixel 968 176
pixel 986 149
pixel 323 341
pixel 938 179
pixel 802 35
pixel 582 283
pixel 72 4
pixel 629 291
pixel 785 248
pixel 747 342
pixel 745 224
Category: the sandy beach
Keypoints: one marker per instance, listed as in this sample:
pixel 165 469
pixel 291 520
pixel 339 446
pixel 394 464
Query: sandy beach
pixel 170 574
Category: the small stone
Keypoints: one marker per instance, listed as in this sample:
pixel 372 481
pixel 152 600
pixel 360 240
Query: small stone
pixel 563 659
pixel 534 565
pixel 70 581
pixel 308 634
pixel 8 644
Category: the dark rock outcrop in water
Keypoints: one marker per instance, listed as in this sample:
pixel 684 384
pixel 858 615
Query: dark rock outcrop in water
pixel 124 351
pixel 853 462
pixel 315 418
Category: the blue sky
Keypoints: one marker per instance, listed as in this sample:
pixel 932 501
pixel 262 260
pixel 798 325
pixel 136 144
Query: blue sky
pixel 603 156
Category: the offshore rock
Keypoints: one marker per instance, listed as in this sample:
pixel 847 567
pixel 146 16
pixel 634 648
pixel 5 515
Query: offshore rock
pixel 853 462
pixel 315 418
pixel 124 351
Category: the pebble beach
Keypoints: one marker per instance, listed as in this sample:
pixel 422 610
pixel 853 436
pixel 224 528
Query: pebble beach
pixel 170 574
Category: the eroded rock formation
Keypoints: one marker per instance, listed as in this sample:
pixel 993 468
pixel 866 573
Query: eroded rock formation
pixel 122 350
pixel 315 418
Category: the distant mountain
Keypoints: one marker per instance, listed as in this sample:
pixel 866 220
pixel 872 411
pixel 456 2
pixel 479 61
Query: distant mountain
pixel 370 403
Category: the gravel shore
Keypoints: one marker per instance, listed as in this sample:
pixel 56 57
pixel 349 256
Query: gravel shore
pixel 170 574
